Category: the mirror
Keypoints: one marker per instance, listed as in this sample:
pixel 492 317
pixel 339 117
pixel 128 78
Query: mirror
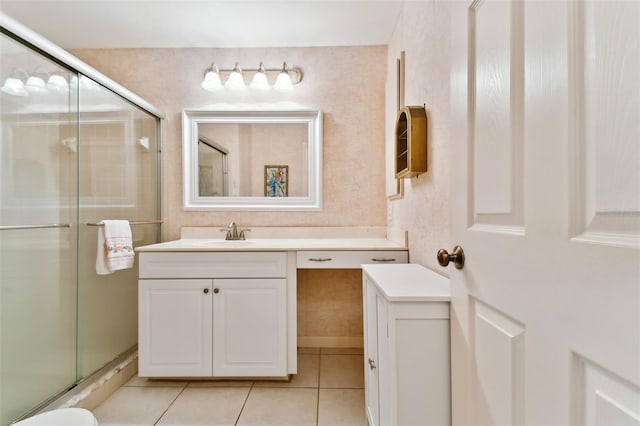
pixel 252 160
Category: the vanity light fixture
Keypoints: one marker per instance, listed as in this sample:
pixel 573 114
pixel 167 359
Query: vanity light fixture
pixel 57 83
pixel 260 81
pixel 283 83
pixel 85 83
pixel 14 85
pixel 235 80
pixel 35 84
pixel 285 78
pixel 211 80
pixel 21 83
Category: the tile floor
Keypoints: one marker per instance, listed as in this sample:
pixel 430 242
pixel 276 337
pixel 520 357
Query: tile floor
pixel 327 391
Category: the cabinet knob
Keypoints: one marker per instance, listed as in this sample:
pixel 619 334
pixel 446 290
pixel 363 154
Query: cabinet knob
pixel 216 290
pixel 206 291
pixel 372 364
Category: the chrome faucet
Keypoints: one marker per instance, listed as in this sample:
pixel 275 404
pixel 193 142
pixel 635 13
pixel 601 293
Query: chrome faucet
pixel 232 232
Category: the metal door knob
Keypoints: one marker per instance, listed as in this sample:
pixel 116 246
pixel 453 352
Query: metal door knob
pixel 216 290
pixel 206 290
pixel 456 256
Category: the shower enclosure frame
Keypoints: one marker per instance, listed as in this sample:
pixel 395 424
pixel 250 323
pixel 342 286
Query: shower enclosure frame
pixel 35 42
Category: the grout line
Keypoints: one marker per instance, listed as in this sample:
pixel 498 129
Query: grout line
pixel 286 387
pixel 243 404
pixel 170 404
pixel 318 389
pixel 154 386
pixel 343 387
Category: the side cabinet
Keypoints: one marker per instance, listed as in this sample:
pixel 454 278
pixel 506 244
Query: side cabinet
pixel 212 314
pixel 407 346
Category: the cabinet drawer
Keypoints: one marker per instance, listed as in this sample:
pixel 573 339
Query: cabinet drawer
pixel 213 265
pixel 324 259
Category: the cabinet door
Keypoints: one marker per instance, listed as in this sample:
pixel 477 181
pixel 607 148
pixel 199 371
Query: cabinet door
pixel 174 323
pixel 371 353
pixel 249 327
pixel 387 394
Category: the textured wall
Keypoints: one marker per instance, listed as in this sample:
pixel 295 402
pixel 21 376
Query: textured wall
pixel 330 303
pixel 423 33
pixel 346 83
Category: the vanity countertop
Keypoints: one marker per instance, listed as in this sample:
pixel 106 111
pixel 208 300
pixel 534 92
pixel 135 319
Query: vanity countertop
pixel 273 244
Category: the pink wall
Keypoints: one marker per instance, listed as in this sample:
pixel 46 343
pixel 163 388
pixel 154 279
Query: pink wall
pixel 422 32
pixel 346 83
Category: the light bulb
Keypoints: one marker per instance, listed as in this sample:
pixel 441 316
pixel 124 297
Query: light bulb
pixel 283 82
pixel 235 80
pixel 260 81
pixel 57 83
pixel 14 86
pixel 211 80
pixel 35 84
pixel 85 83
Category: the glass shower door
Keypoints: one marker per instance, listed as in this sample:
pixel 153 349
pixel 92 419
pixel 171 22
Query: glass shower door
pixel 118 179
pixel 38 216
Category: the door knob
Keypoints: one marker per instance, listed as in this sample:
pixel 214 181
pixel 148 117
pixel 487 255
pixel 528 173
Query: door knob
pixel 216 290
pixel 456 256
pixel 206 290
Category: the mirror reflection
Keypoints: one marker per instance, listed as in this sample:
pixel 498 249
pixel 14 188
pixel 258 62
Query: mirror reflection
pixel 212 169
pixel 252 160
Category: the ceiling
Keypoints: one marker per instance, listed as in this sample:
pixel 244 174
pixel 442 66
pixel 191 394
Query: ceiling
pixel 231 23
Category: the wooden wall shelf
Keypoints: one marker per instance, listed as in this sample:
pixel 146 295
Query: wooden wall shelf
pixel 411 142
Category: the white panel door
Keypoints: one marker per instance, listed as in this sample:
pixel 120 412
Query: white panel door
pixel 545 202
pixel 174 323
pixel 249 327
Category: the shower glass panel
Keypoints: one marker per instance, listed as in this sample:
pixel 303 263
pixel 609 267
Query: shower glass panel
pixel 212 170
pixel 117 180
pixel 38 163
pixel 72 153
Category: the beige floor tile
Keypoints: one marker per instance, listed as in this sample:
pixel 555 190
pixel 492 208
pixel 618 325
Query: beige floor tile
pixel 341 407
pixel 342 351
pixel 271 406
pixel 206 406
pixel 341 371
pixel 307 377
pixel 220 384
pixel 308 350
pixel 135 405
pixel 143 381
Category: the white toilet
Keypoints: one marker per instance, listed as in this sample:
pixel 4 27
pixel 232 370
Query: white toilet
pixel 61 417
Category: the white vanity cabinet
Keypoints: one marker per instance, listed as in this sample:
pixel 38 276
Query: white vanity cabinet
pixel 219 314
pixel 407 349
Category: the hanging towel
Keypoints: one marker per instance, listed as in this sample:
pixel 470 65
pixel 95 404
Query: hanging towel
pixel 115 246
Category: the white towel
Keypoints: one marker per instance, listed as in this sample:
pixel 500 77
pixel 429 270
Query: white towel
pixel 115 247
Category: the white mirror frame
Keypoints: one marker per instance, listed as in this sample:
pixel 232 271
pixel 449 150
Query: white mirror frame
pixel 191 118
